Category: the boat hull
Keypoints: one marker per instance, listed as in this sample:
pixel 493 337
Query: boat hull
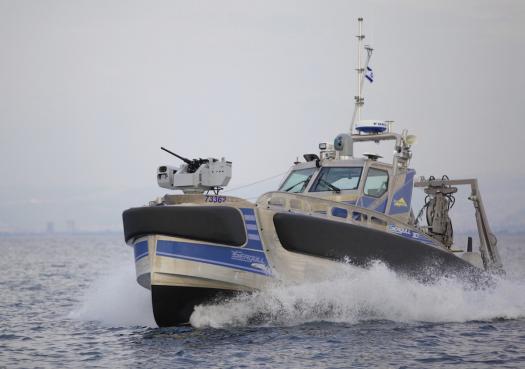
pixel 173 305
pixel 361 246
pixel 191 255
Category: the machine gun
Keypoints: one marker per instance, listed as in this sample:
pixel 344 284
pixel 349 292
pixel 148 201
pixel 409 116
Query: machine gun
pixel 196 175
pixel 193 164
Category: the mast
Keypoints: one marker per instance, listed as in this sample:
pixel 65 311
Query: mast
pixel 359 99
pixel 360 69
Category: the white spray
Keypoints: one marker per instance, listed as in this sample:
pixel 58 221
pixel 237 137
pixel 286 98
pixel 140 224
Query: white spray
pixel 353 295
pixel 116 300
pixel 360 295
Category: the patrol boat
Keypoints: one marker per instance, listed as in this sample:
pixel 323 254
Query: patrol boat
pixel 333 208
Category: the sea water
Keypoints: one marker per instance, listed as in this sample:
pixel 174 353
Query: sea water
pixel 72 301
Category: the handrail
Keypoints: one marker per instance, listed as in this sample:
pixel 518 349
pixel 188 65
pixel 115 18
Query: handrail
pixel 323 207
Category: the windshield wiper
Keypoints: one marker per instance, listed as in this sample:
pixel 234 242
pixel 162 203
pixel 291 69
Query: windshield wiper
pixel 304 182
pixel 331 186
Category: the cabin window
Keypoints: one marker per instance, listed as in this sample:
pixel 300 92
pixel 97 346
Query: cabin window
pixel 337 178
pixel 297 180
pixel 376 182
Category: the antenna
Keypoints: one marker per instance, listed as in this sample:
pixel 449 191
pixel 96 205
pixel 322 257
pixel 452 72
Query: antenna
pixel 359 99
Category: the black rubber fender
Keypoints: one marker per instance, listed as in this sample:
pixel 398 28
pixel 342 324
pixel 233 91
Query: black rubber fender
pixel 218 224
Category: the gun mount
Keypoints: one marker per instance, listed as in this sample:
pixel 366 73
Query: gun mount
pixel 195 175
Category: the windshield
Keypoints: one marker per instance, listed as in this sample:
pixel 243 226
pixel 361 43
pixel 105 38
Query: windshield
pixel 297 180
pixel 336 179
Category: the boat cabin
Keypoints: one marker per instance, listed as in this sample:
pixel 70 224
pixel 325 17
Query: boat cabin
pixel 365 182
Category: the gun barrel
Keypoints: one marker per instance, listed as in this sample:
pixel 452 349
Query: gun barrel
pixel 187 161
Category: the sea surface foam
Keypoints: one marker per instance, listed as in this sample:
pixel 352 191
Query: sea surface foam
pixel 358 295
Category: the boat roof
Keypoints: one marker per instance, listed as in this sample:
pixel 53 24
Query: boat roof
pixel 351 162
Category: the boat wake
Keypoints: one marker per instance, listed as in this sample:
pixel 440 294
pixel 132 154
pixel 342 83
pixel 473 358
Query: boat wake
pixel 354 295
pixel 116 300
pixel 359 295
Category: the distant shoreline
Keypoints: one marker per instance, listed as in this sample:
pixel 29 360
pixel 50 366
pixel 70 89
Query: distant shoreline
pixel 60 234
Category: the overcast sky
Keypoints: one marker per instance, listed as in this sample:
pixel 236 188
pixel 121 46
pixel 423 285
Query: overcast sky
pixel 89 91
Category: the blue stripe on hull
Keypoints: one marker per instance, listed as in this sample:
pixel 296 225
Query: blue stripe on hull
pixel 242 259
pixel 250 258
pixel 140 250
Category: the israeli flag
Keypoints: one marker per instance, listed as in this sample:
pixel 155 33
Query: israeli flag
pixel 369 74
